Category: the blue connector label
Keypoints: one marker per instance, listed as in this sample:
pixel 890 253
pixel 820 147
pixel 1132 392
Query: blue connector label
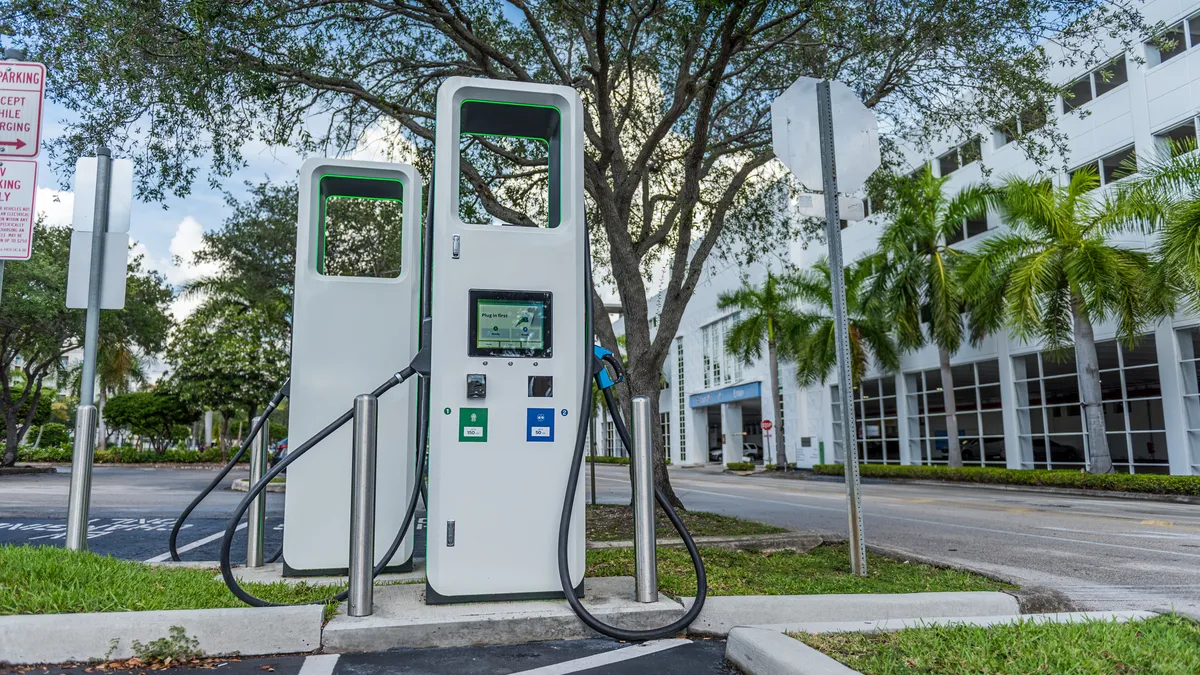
pixel 539 425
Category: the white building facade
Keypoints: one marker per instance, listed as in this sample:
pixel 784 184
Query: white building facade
pixel 1017 408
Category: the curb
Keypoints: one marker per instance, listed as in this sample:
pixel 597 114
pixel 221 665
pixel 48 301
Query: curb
pixel 800 541
pixel 25 470
pixel 103 636
pixel 243 485
pixel 1074 492
pixel 723 613
pixel 760 651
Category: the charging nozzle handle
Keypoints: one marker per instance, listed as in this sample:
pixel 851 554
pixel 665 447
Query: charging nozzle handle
pixel 283 393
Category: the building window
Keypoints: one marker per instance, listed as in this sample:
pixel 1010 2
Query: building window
pixel 1113 167
pixel 664 425
pixel 681 400
pixel 1049 415
pixel 1009 130
pixel 1095 84
pixel 720 368
pixel 971 227
pixel 960 156
pixel 876 421
pixel 1178 138
pixel 1176 40
pixel 977 411
pixel 610 439
pixel 1189 361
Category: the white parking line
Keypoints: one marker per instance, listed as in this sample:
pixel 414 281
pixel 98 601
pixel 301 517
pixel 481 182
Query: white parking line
pixel 597 660
pixel 163 557
pixel 319 664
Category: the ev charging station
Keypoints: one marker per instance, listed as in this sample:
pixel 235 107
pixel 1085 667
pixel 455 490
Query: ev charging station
pixel 354 319
pixel 510 357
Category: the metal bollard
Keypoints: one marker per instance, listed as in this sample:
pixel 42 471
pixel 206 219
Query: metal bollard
pixel 257 515
pixel 362 507
pixel 81 478
pixel 644 540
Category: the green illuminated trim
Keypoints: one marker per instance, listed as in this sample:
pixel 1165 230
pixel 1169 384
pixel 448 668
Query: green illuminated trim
pixel 320 263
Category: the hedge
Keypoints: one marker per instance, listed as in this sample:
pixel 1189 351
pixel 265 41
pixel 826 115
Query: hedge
pixel 740 466
pixel 125 455
pixel 605 459
pixel 1120 482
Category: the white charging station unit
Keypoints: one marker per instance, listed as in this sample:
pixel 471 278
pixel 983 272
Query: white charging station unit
pixel 354 322
pixel 507 358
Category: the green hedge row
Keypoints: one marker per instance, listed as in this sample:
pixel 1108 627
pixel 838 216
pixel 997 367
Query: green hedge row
pixel 604 459
pixel 123 455
pixel 1121 482
pixel 740 466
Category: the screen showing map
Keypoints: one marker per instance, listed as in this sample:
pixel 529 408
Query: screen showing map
pixel 517 325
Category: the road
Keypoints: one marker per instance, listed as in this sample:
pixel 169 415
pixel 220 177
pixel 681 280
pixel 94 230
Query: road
pixel 1103 553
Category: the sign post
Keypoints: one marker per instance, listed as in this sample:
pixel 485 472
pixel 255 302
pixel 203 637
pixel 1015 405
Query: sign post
pixel 22 89
pixel 851 143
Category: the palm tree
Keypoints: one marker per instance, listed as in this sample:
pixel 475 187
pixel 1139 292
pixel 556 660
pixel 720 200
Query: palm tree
pixel 1054 274
pixel 765 314
pixel 918 274
pixel 118 368
pixel 813 346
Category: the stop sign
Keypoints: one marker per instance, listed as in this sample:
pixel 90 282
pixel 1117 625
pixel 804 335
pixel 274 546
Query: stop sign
pixel 797 142
pixel 766 425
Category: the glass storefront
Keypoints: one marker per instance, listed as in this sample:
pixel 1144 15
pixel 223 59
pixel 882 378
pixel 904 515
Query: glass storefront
pixel 876 420
pixel 978 413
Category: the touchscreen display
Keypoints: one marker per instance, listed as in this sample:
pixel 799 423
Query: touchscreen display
pixel 510 325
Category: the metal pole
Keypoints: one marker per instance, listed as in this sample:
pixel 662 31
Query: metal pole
pixel 81 461
pixel 833 232
pixel 81 481
pixel 257 517
pixel 645 554
pixel 592 444
pixel 362 507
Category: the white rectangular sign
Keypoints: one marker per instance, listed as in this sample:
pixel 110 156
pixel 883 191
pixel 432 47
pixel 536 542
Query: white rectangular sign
pixel 22 90
pixel 18 187
pixel 120 194
pixel 116 262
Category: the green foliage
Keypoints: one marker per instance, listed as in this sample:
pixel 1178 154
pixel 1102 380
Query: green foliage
pixel 1164 645
pixel 604 459
pixel 175 648
pixel 125 455
pixel 21 403
pixel 1121 482
pixel 823 570
pixel 740 466
pixel 156 415
pixel 53 434
pixel 814 347
pixel 52 580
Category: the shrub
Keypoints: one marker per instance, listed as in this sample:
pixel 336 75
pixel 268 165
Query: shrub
pixel 125 455
pixel 53 435
pixel 740 466
pixel 1121 482
pixel 604 459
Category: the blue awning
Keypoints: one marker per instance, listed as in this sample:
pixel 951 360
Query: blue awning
pixel 738 392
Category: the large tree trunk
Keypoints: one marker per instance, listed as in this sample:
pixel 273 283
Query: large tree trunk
pixel 10 450
pixel 955 449
pixel 776 407
pixel 1088 367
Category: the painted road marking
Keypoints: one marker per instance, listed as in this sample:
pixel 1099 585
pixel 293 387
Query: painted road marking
pixel 57 530
pixel 597 660
pixel 162 557
pixel 320 664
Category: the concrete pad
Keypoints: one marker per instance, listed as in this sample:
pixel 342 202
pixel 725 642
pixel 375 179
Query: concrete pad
pixel 722 613
pixel 243 485
pixel 887 625
pixel 60 638
pixel 402 619
pixel 757 651
pixel 273 573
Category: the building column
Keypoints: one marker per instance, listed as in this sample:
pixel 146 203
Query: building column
pixel 1013 451
pixel 731 433
pixel 1179 451
pixel 902 420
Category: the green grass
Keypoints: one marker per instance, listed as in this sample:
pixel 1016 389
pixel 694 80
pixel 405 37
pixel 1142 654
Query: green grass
pixel 1167 645
pixel 613 522
pixel 50 580
pixel 823 570
pixel 1121 482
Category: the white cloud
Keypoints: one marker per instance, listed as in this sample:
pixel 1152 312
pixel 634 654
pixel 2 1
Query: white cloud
pixel 189 237
pixel 384 142
pixel 55 206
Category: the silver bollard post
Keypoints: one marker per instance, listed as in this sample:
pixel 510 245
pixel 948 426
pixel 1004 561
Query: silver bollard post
pixel 362 507
pixel 257 515
pixel 644 541
pixel 81 478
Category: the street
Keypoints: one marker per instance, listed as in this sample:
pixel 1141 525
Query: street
pixel 1102 553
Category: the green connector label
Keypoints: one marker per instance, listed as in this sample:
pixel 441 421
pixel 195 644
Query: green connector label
pixel 472 425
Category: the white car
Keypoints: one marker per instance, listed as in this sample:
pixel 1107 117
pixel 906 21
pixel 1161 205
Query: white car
pixel 751 452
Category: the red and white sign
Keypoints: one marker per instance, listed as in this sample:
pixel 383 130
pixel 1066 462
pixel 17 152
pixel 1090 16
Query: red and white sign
pixel 22 88
pixel 766 425
pixel 18 186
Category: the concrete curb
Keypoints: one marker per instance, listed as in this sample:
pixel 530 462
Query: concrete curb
pixel 243 485
pixel 25 470
pixel 1075 492
pixel 100 636
pixel 760 651
pixel 889 625
pixel 799 541
pixel 723 613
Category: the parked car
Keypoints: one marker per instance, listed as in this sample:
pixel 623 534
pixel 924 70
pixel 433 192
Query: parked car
pixel 1059 453
pixel 279 451
pixel 715 454
pixel 993 449
pixel 751 452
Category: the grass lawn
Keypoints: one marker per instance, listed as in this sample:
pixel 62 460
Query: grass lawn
pixel 1166 644
pixel 612 522
pixel 50 580
pixel 823 570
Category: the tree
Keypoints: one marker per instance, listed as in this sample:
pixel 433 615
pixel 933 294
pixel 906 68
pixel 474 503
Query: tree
pixel 118 368
pixel 676 99
pixel 813 347
pixel 917 274
pixel 36 326
pixel 765 315
pixel 1055 273
pixel 226 357
pixel 155 415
